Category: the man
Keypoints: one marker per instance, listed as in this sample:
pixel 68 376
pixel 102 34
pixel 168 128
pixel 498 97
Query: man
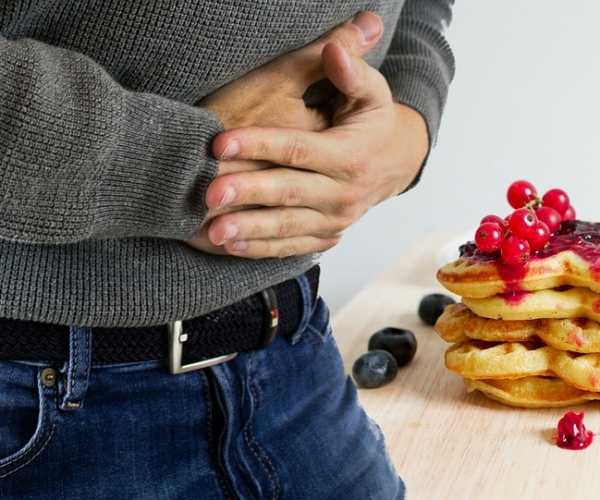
pixel 169 170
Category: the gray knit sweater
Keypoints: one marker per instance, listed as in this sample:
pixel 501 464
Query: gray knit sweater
pixel 104 156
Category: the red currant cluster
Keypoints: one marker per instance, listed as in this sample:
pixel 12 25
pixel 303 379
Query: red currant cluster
pixel 528 227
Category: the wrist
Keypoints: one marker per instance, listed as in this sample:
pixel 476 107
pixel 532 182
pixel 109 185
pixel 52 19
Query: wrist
pixel 413 128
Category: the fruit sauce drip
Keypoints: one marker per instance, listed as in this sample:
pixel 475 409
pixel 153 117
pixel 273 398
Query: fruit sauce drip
pixel 583 238
pixel 572 434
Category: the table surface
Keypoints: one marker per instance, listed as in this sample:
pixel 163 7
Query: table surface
pixel 445 443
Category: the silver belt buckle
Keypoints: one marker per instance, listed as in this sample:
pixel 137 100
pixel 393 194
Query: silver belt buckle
pixel 176 340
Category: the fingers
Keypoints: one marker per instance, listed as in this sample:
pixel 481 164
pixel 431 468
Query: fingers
pixel 270 188
pixel 273 232
pixel 201 242
pixel 266 223
pixel 327 179
pixel 360 85
pixel 278 248
pixel 309 213
pixel 262 234
pixel 304 212
pixel 364 89
pixel 272 95
pixel 357 37
pixel 322 152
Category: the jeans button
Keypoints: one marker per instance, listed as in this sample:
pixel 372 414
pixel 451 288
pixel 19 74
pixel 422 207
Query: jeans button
pixel 49 377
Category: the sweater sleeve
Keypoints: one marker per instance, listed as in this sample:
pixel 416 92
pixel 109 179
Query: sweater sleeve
pixel 81 157
pixel 419 65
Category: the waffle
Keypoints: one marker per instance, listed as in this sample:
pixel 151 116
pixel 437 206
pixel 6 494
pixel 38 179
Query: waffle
pixel 532 392
pixel 483 278
pixel 568 261
pixel 477 359
pixel 579 370
pixel 569 302
pixel 458 324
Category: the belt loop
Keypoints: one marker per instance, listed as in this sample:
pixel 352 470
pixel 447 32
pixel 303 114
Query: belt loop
pixel 307 306
pixel 77 368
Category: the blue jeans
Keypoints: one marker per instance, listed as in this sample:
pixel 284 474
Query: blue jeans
pixel 281 422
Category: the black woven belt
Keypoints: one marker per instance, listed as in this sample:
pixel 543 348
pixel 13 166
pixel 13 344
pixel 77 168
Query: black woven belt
pixel 246 325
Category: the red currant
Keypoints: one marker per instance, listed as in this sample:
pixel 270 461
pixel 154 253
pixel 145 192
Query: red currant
pixel 557 199
pixel 489 237
pixel 539 237
pixel 520 193
pixel 522 222
pixel 550 216
pixel 569 214
pixel 515 251
pixel 496 219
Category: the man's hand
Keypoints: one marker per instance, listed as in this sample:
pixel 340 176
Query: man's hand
pixel 272 96
pixel 326 180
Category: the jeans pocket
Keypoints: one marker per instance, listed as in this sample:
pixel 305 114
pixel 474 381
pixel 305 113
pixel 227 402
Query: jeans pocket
pixel 27 414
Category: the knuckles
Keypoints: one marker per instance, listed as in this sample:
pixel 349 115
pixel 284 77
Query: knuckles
pixel 357 165
pixel 295 152
pixel 288 227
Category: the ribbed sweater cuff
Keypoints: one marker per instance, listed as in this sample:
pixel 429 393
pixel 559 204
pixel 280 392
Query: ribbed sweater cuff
pixel 156 179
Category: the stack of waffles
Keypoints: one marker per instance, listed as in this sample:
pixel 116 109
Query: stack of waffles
pixel 528 337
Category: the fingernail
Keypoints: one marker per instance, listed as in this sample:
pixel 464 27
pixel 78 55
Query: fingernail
pixel 230 232
pixel 231 150
pixel 240 246
pixel 367 26
pixel 228 197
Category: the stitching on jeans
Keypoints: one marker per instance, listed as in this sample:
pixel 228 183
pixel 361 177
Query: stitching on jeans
pixel 37 439
pixel 86 374
pixel 321 338
pixel 253 444
pixel 73 369
pixel 213 446
pixel 24 455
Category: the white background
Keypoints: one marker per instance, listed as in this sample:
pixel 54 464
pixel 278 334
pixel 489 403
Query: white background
pixel 525 104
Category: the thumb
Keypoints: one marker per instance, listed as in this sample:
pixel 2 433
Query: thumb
pixel 353 77
pixel 357 37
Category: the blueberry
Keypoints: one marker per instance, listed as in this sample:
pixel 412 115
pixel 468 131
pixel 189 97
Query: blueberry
pixel 432 306
pixel 399 342
pixel 374 369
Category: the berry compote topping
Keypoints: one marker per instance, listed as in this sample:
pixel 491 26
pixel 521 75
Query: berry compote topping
pixel 572 434
pixel 582 238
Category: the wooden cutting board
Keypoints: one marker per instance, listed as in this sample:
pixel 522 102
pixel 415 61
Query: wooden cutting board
pixel 448 444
